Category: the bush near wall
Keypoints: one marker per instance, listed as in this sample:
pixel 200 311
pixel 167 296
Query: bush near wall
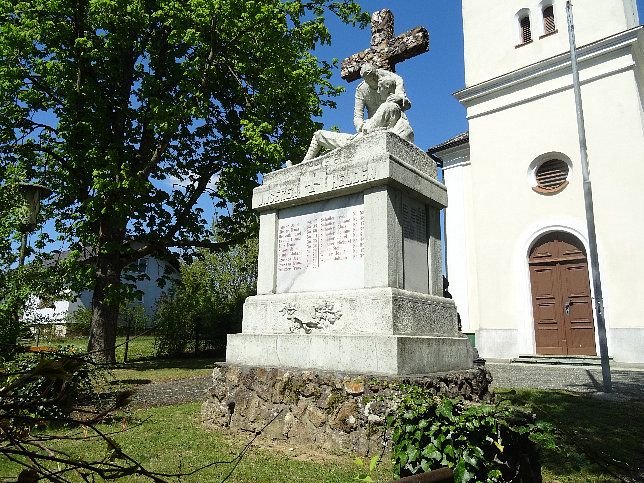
pixel 481 442
pixel 207 304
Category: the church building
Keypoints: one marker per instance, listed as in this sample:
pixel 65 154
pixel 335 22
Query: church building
pixel 517 247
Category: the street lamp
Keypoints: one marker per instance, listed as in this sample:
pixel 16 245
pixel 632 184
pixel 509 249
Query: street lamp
pixel 32 194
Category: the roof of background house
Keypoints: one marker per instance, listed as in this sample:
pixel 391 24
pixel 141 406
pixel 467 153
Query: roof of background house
pixel 57 256
pixel 458 140
pixel 450 143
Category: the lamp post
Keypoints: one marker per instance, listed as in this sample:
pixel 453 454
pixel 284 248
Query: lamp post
pixel 28 218
pixel 32 194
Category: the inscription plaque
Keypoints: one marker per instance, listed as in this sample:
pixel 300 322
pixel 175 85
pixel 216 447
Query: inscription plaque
pixel 321 246
pixel 415 245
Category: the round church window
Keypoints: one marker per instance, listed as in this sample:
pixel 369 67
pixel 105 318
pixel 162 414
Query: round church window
pixel 551 176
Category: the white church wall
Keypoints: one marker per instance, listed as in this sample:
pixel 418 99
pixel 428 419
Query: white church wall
pixel 532 83
pixel 503 146
pixel 493 47
pixel 516 120
pixel 617 169
pixel 456 175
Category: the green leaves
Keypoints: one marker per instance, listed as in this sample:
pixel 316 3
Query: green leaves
pixel 372 466
pixel 133 112
pixel 431 432
pixel 209 300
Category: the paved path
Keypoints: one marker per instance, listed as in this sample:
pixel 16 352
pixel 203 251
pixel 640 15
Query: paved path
pixel 627 379
pixel 172 393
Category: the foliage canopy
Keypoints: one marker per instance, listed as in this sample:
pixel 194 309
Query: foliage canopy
pixel 131 110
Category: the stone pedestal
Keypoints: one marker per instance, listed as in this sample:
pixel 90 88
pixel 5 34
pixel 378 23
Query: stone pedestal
pixel 350 266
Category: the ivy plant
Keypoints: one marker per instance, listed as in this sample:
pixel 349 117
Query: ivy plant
pixel 480 442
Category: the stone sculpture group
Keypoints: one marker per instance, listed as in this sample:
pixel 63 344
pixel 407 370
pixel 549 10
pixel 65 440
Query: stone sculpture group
pixel 382 94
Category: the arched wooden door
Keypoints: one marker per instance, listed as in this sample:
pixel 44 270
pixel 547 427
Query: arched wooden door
pixel 561 298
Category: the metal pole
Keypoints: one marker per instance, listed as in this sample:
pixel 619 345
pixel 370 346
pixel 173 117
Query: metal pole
pixel 590 213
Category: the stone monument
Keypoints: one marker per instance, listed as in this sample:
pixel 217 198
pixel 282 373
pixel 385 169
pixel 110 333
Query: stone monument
pixel 350 262
pixel 349 307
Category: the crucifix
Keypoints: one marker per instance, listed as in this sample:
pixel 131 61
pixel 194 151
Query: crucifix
pixel 386 50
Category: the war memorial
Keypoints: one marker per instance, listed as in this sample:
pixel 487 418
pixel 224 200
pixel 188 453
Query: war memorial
pixel 350 290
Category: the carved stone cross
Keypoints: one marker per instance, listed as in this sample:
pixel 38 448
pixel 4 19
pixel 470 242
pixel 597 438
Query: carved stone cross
pixel 386 50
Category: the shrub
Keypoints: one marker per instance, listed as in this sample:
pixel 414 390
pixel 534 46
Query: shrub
pixel 481 442
pixel 43 386
pixel 207 305
pixel 174 324
pixel 78 322
pixel 132 320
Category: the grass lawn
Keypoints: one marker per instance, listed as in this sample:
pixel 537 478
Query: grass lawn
pixel 171 440
pixel 142 366
pixel 596 440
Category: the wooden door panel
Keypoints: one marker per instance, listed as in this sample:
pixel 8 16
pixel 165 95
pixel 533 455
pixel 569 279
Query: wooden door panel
pixel 579 324
pixel 548 338
pixel 543 281
pixel 580 312
pixel 581 340
pixel 546 328
pixel 561 297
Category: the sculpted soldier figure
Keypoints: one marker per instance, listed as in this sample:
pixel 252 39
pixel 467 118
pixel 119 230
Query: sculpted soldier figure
pixel 382 94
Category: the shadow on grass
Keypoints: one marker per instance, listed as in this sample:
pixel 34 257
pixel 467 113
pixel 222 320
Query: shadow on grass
pixel 594 437
pixel 187 362
pixel 133 382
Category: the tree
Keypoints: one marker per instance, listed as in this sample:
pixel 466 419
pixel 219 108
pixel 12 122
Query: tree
pixel 106 101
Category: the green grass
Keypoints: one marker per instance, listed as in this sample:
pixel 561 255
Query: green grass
pixel 596 440
pixel 142 366
pixel 139 348
pixel 171 440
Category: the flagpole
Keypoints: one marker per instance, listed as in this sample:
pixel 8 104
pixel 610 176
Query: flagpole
pixel 590 213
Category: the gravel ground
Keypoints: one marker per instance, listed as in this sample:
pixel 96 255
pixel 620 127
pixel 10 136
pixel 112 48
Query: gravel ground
pixel 628 382
pixel 172 393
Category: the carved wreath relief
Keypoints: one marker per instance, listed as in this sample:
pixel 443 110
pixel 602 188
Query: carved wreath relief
pixel 324 315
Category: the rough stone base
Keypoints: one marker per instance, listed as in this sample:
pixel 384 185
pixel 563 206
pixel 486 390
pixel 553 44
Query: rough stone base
pixel 322 410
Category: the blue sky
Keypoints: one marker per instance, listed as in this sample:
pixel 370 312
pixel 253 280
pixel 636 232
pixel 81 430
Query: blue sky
pixel 430 78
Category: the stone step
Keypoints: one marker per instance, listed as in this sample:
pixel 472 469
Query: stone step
pixel 562 360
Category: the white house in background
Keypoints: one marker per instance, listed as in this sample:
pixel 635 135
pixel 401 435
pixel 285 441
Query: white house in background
pixel 154 268
pixel 516 237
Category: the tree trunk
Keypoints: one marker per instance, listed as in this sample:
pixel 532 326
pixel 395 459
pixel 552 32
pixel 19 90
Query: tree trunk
pixel 105 307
